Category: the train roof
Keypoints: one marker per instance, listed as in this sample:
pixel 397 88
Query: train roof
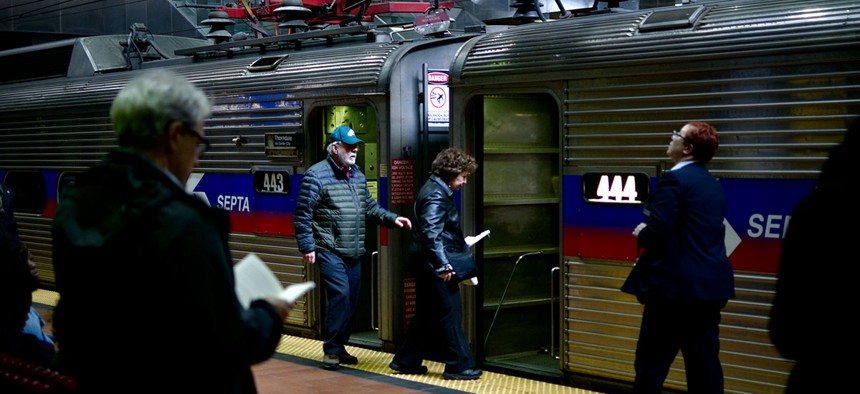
pixel 95 55
pixel 606 44
pixel 361 68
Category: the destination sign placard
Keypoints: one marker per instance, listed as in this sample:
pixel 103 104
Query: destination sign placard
pixel 287 145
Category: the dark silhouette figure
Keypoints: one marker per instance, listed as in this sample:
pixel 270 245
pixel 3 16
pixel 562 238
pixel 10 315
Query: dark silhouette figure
pixel 817 273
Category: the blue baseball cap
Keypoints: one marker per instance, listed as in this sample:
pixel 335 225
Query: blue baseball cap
pixel 345 134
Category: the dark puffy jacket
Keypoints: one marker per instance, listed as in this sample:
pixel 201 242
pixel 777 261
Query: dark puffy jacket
pixel 139 259
pixel 332 209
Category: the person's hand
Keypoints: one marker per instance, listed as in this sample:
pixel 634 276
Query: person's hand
pixel 446 272
pixel 310 257
pixel 403 222
pixel 282 306
pixel 638 229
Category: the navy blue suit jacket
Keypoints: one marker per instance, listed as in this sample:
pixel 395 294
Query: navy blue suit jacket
pixel 684 257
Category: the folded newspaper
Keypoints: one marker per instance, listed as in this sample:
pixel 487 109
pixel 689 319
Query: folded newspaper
pixel 471 240
pixel 254 280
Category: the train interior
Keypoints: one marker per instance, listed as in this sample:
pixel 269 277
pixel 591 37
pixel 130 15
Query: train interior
pixel 519 202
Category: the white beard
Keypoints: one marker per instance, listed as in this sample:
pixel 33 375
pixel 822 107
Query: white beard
pixel 347 158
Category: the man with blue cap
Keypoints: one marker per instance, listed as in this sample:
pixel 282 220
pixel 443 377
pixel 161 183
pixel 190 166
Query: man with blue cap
pixel 346 135
pixel 329 221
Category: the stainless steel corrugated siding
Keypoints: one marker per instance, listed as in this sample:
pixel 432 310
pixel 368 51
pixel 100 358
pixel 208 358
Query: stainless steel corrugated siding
pixel 601 326
pixel 65 124
pixel 780 80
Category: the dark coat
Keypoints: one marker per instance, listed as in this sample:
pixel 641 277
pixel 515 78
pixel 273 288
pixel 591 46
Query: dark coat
pixel 332 209
pixel 438 233
pixel 817 272
pixel 146 285
pixel 7 213
pixel 684 256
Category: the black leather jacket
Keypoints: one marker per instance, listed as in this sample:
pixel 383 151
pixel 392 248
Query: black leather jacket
pixel 438 224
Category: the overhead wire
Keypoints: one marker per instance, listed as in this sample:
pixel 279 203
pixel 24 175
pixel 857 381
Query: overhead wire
pixel 49 11
pixel 18 5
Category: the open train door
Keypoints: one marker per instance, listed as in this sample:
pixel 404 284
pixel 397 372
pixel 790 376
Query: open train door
pixel 516 195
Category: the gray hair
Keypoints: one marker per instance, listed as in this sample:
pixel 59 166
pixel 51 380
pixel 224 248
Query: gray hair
pixel 144 109
pixel 330 147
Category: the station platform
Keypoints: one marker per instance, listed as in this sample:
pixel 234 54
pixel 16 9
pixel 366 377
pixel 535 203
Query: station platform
pixel 296 368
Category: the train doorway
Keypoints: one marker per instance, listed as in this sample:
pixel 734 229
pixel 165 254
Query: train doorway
pixel 518 200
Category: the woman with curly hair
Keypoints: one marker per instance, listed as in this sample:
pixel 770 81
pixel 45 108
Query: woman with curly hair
pixel 435 331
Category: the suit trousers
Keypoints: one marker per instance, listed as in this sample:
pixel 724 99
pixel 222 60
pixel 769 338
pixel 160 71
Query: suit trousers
pixel 342 280
pixel 691 327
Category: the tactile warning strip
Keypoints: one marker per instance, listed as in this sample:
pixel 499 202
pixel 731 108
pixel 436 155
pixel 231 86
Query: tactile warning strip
pixel 377 362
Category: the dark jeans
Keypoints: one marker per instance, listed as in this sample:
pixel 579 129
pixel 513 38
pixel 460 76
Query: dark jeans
pixel 342 280
pixel 692 328
pixel 435 331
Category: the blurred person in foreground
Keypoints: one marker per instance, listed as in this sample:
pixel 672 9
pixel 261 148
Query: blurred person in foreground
pixel 683 276
pixel 8 226
pixel 132 246
pixel 18 280
pixel 333 206
pixel 435 331
pixel 19 273
pixel 815 272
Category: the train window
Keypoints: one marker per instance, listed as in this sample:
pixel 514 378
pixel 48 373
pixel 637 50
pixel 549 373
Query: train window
pixel 677 18
pixel 266 63
pixel 616 188
pixel 271 180
pixel 29 192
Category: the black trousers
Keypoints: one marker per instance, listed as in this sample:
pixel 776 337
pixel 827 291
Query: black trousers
pixel 435 330
pixel 692 328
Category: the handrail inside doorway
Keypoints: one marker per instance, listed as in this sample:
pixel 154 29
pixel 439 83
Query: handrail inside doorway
pixel 504 292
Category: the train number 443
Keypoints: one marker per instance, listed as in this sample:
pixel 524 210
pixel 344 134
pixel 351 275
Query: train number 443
pixel 272 181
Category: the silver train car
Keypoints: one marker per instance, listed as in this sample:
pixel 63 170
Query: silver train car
pixel 569 120
pixel 575 116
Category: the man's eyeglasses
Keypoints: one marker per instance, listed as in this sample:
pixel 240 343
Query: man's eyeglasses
pixel 203 143
pixel 675 134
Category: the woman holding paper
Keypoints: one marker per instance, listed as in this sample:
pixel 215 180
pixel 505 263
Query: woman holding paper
pixel 436 324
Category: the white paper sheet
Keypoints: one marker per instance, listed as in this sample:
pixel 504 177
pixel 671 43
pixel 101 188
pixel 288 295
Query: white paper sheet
pixel 473 239
pixel 254 280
